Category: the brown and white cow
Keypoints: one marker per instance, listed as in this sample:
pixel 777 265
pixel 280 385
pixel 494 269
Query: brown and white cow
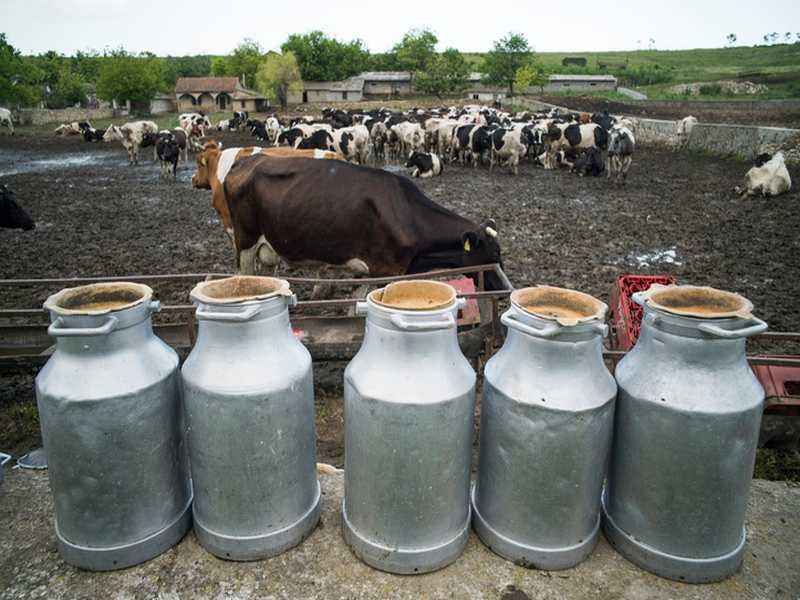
pixel 131 135
pixel 368 221
pixel 214 163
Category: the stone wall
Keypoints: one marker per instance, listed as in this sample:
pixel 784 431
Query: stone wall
pixel 37 116
pixel 741 141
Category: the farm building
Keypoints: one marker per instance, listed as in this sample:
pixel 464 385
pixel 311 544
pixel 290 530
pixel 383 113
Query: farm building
pixel 381 84
pixel 479 91
pixel 162 103
pixel 330 91
pixel 580 82
pixel 216 93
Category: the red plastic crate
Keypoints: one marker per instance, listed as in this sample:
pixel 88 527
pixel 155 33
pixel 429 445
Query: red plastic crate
pixel 626 315
pixel 782 388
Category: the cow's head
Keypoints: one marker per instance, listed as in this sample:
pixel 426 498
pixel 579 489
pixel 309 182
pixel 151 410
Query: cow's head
pixel 762 159
pixel 412 159
pixel 12 215
pixel 480 247
pixel 149 139
pixel 112 133
pixel 207 160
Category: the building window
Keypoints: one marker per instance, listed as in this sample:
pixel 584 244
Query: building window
pixel 474 96
pixel 242 103
pixel 592 84
pixel 344 95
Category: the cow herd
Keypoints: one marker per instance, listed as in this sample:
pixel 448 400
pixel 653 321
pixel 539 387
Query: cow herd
pixel 589 144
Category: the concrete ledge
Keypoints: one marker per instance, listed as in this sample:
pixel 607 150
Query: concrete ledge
pixel 742 141
pixel 323 567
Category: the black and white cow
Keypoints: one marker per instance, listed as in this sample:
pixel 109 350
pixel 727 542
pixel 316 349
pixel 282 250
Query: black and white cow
pixel 168 153
pixel 93 135
pixel 424 164
pixel 509 146
pixel 563 136
pixel 12 215
pixel 319 140
pixel 620 153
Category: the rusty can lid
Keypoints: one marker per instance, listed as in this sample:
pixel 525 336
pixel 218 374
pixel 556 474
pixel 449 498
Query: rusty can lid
pixel 697 301
pixel 414 294
pixel 239 288
pixel 566 307
pixel 98 298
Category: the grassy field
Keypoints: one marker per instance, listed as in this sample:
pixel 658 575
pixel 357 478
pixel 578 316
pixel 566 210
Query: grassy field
pixel 777 66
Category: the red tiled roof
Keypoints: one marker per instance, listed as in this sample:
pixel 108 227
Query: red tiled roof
pixel 206 84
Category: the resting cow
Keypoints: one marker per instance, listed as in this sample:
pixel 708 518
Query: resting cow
pixel 369 221
pixel 770 178
pixel 424 164
pixel 213 165
pixel 6 120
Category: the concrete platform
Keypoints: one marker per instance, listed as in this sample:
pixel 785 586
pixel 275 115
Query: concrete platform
pixel 323 567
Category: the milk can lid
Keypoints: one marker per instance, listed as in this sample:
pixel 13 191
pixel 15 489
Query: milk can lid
pixel 566 307
pixel 98 298
pixel 697 301
pixel 415 294
pixel 239 288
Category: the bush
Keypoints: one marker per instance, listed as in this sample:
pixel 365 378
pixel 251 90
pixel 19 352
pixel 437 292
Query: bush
pixel 647 74
pixel 793 89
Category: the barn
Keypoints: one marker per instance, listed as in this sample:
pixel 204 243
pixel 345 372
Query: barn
pixel 212 94
pixel 559 83
pixel 331 91
pixel 386 84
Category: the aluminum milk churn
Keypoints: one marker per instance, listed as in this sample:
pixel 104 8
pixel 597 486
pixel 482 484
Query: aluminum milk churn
pixel 547 415
pixel 409 401
pixel 249 400
pixel 112 426
pixel 685 435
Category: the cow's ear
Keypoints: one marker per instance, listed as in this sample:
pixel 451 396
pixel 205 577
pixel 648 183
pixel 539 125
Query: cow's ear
pixel 469 241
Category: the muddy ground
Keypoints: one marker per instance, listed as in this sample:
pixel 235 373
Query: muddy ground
pixel 776 113
pixel 96 216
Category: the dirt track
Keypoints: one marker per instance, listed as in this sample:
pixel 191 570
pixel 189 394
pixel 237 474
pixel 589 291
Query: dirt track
pixel 678 214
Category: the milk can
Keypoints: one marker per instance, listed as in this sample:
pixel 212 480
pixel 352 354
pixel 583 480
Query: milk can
pixel 686 428
pixel 249 399
pixel 547 416
pixel 112 426
pixel 409 401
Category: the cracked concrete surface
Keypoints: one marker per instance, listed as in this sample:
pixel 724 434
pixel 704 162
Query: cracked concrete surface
pixel 323 567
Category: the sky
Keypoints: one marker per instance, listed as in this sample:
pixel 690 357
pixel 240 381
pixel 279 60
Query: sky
pixel 215 27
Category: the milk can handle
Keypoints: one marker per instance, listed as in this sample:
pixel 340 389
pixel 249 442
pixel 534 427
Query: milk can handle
pixel 56 329
pixel 234 317
pixel 638 297
pixel 549 329
pixel 4 458
pixel 444 322
pixel 758 326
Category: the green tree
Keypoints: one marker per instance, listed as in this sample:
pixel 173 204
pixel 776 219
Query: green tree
pixel 446 74
pixel 20 79
pixel 385 61
pixel 321 58
pixel 533 73
pixel 416 51
pixel 243 62
pixel 68 90
pixel 186 66
pixel 502 62
pixel 86 64
pixel 278 76
pixel 125 76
